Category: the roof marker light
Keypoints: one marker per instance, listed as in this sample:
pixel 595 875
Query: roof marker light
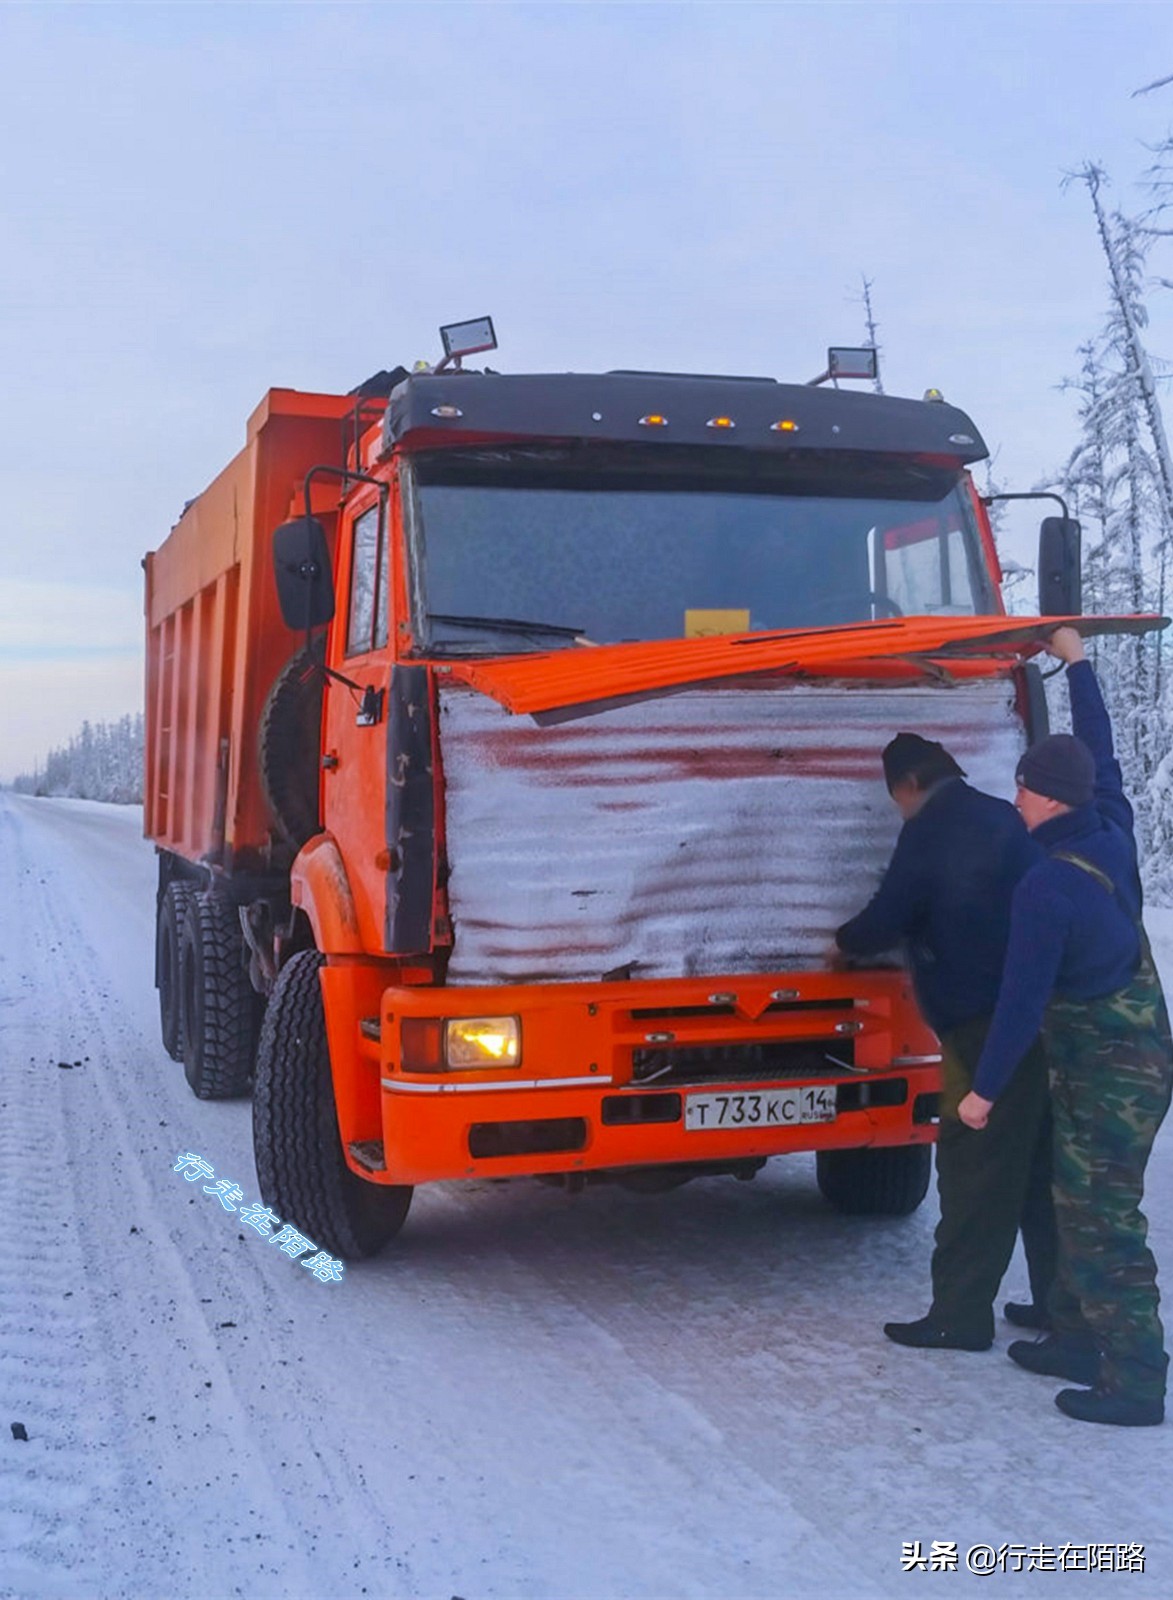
pixel 785 426
pixel 447 411
pixel 934 395
pixel 720 422
pixel 653 420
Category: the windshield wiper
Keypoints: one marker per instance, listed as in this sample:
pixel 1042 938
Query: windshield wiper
pixel 505 624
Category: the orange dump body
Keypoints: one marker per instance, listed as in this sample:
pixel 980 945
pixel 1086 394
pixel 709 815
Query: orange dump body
pixel 215 638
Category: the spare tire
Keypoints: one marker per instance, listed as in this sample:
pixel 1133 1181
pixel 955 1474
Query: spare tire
pixel 289 746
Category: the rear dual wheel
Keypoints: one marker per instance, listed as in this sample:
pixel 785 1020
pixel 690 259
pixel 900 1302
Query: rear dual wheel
pixel 173 907
pixel 218 1004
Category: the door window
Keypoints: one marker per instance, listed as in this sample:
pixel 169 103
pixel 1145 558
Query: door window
pixel 369 583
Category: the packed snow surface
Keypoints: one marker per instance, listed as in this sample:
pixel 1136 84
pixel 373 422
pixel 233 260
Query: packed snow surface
pixel 529 1395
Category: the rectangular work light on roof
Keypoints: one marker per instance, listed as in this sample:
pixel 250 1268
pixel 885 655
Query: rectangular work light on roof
pixel 468 338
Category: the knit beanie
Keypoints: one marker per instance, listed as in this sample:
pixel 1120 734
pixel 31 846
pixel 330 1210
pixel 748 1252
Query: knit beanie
pixel 910 756
pixel 1060 767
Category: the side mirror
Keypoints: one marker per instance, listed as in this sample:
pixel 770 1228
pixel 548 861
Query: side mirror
pixel 305 583
pixel 1060 568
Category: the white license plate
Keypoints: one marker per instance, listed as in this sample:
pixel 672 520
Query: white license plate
pixel 759 1108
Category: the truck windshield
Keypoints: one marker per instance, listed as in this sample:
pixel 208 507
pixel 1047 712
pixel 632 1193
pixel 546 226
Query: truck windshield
pixel 538 549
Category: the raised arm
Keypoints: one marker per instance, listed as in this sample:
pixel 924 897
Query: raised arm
pixel 1091 723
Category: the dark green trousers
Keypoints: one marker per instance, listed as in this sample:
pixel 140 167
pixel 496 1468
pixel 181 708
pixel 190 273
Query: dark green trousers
pixel 1111 1080
pixel 992 1182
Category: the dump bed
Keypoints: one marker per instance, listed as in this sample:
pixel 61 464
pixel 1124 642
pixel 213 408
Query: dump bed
pixel 216 640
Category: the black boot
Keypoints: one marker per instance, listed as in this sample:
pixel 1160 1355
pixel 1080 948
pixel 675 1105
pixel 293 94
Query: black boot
pixel 1057 1357
pixel 1102 1405
pixel 928 1334
pixel 1026 1315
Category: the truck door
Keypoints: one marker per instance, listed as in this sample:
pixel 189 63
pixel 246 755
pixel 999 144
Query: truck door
pixel 354 778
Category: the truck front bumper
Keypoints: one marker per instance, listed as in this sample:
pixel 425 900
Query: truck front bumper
pixel 606 1072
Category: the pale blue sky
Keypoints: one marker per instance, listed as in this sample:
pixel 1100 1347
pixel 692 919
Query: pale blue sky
pixel 199 201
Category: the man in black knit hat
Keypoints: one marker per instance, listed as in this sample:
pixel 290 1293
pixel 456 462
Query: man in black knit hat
pixel 1078 963
pixel 946 898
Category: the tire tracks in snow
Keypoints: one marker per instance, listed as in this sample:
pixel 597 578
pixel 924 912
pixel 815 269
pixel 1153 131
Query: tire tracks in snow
pixel 52 1378
pixel 521 1398
pixel 149 1431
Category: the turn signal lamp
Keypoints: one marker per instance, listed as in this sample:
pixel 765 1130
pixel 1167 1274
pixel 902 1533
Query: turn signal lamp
pixel 482 1041
pixel 720 422
pixel 785 426
pixel 653 420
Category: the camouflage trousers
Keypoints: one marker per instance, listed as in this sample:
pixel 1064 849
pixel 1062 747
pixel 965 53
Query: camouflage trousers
pixel 1111 1067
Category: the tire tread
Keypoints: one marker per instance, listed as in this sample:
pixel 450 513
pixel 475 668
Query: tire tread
pixel 301 1169
pixel 220 1067
pixel 890 1181
pixel 173 909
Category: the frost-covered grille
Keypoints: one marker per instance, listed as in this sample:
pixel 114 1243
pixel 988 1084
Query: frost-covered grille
pixel 724 829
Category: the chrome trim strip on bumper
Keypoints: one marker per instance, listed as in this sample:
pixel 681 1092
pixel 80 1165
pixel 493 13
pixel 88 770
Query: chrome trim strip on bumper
pixel 915 1061
pixel 399 1086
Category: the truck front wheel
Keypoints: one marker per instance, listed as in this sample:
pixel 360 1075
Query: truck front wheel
pixel 888 1182
pixel 173 907
pixel 219 1007
pixel 301 1169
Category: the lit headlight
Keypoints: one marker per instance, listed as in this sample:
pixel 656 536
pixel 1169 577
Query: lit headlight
pixel 482 1042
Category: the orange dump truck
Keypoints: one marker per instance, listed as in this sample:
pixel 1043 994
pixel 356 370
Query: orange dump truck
pixel 513 753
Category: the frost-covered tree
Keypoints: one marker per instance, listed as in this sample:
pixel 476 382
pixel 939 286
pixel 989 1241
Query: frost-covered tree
pixel 1125 241
pixel 872 328
pixel 1119 482
pixel 104 761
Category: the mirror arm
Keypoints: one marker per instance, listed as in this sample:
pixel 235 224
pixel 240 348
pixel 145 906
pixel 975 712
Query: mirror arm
pixel 348 477
pixel 341 678
pixel 1040 494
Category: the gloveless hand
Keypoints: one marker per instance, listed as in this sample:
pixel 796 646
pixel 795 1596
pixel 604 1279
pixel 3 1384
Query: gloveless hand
pixel 974 1111
pixel 1066 645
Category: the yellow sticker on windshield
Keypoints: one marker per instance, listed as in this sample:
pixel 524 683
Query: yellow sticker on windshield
pixel 703 623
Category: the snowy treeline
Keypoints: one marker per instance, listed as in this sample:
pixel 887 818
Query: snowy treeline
pixel 1118 480
pixel 102 762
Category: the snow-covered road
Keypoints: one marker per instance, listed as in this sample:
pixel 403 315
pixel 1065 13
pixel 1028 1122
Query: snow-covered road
pixel 529 1394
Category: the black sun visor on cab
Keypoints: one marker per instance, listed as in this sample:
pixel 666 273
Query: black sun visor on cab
pixel 666 408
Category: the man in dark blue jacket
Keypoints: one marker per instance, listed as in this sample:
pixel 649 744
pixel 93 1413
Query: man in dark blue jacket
pixel 946 897
pixel 1078 963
